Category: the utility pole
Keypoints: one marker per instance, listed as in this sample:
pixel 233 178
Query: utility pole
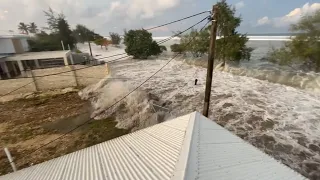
pixel 90 47
pixel 87 37
pixel 62 45
pixel 211 60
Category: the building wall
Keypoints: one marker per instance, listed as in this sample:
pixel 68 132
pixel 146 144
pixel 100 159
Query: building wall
pixel 6 46
pixel 25 45
pixel 7 86
pixel 17 45
pixel 84 76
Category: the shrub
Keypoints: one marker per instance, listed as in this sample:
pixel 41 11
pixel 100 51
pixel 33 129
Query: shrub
pixel 115 38
pixel 178 48
pixel 140 45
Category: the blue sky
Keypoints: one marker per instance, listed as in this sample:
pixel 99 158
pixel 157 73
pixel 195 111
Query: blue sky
pixel 104 16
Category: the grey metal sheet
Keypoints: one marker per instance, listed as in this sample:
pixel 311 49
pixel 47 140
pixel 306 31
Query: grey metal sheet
pixel 150 153
pixel 219 154
pixel 188 147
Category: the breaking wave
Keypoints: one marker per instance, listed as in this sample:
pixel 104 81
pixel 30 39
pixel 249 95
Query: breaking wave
pixel 308 81
pixel 280 120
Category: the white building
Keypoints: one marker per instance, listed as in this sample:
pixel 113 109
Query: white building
pixel 15 58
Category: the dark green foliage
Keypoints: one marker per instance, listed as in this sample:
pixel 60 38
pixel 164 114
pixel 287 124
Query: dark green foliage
pixel 115 38
pixel 23 28
pixel 53 19
pixel 178 48
pixel 233 48
pixel 304 49
pixel 163 48
pixel 200 42
pixel 44 42
pixel 83 34
pixel 140 45
pixel 60 31
pixel 65 34
pixel 231 45
pixel 33 28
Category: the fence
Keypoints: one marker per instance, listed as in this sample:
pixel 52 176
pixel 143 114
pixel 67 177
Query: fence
pixel 81 76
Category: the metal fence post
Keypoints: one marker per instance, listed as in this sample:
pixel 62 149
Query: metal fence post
pixel 14 168
pixel 34 80
pixel 74 75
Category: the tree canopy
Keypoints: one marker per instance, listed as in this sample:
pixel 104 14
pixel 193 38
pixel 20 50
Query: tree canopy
pixel 33 28
pixel 23 28
pixel 60 31
pixel 140 45
pixel 53 19
pixel 83 34
pixel 65 34
pixel 231 45
pixel 304 49
pixel 115 38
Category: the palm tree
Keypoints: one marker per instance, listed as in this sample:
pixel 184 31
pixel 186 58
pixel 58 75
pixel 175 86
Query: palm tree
pixel 23 28
pixel 33 28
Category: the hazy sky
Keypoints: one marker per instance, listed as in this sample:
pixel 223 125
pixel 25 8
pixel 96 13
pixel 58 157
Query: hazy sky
pixel 259 16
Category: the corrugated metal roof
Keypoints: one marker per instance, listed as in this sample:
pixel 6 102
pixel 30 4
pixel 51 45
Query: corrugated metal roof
pixel 150 153
pixel 218 154
pixel 38 55
pixel 188 147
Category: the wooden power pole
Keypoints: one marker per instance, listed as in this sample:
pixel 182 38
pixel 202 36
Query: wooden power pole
pixel 211 60
pixel 90 47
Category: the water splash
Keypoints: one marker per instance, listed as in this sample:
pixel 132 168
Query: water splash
pixel 282 121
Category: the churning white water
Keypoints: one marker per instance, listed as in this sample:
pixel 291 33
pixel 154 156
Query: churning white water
pixel 280 120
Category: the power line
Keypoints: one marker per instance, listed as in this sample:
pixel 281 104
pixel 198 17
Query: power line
pixel 128 94
pixel 177 20
pixel 162 41
pixel 165 40
pixel 96 65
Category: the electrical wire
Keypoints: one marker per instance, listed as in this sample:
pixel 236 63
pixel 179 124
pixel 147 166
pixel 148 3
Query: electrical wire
pixel 148 29
pixel 128 94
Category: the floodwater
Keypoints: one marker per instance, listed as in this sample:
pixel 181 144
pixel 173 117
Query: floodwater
pixel 281 120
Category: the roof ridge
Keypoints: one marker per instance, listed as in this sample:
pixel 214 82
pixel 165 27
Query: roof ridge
pixel 182 162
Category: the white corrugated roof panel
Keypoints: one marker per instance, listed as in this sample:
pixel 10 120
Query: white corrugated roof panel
pixel 188 147
pixel 150 153
pixel 218 154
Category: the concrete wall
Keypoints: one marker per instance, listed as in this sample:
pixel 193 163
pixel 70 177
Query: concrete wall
pixel 25 45
pixel 55 81
pixel 6 46
pixel 82 76
pixel 7 86
pixel 90 75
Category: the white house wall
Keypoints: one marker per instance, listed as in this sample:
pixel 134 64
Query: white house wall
pixel 25 44
pixel 6 46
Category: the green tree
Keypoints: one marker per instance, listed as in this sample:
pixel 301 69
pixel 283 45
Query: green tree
pixel 82 34
pixel 115 38
pixel 140 45
pixel 200 42
pixel 53 19
pixel 23 28
pixel 304 49
pixel 231 45
pixel 178 48
pixel 33 28
pixel 163 48
pixel 99 42
pixel 65 34
pixel 44 42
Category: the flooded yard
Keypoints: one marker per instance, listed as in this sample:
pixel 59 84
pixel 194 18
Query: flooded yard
pixel 29 123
